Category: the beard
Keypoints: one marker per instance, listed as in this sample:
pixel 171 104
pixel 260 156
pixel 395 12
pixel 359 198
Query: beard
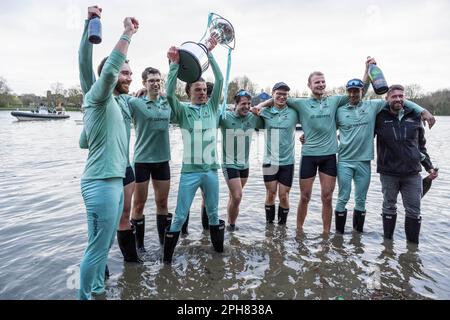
pixel 397 105
pixel 122 87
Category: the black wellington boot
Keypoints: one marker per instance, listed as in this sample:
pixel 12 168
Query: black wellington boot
pixel 127 245
pixel 358 220
pixel 162 222
pixel 412 229
pixel 270 213
pixel 217 234
pixel 170 242
pixel 139 230
pixel 107 274
pixel 282 215
pixel 389 221
pixel 340 217
pixel 184 228
pixel 205 219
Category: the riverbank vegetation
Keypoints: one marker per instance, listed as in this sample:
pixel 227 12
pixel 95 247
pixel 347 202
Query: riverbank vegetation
pixel 437 102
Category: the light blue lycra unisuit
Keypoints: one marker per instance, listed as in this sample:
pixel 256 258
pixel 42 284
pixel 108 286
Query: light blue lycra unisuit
pixel 189 184
pixel 359 172
pixel 103 199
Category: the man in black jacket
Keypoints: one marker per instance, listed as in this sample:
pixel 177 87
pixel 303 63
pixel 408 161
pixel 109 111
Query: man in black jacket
pixel 400 153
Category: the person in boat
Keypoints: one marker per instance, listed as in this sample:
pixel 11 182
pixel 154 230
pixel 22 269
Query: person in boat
pixel 102 181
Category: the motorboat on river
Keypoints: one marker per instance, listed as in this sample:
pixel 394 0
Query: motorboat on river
pixel 42 113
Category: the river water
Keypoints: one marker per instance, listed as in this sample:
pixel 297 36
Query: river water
pixel 43 234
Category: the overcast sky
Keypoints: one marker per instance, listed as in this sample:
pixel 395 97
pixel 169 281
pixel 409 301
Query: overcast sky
pixel 279 40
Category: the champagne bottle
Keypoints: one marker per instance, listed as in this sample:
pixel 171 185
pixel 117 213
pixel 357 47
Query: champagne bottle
pixel 426 183
pixel 95 30
pixel 376 76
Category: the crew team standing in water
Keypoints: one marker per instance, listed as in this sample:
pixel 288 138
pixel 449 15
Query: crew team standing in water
pixel 115 190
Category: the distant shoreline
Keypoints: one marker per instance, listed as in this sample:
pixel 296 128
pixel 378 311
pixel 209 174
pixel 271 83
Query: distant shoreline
pixel 29 109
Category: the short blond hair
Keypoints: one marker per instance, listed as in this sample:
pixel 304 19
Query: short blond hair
pixel 315 73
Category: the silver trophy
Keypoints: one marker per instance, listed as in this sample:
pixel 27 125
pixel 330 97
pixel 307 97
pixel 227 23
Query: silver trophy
pixel 194 56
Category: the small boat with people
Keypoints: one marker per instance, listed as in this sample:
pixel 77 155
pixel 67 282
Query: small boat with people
pixel 42 113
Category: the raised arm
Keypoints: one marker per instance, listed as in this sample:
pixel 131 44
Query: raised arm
pixel 218 83
pixel 174 103
pixel 366 78
pixel 103 88
pixel 343 100
pixel 87 75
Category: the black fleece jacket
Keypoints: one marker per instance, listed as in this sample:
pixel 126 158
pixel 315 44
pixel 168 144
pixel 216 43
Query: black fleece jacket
pixel 400 143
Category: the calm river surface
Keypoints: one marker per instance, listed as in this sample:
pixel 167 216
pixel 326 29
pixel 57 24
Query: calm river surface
pixel 43 233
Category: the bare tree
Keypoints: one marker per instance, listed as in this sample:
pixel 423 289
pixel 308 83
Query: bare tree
pixel 337 91
pixel 57 88
pixel 413 91
pixel 4 88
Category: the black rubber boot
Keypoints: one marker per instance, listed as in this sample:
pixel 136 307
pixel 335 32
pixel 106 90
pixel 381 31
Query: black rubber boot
pixel 358 220
pixel 205 220
pixel 139 230
pixel 170 242
pixel 217 234
pixel 184 228
pixel 270 213
pixel 107 274
pixel 340 217
pixel 282 215
pixel 127 245
pixel 389 225
pixel 412 229
pixel 162 222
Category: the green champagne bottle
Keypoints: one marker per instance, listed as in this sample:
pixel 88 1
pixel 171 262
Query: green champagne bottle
pixel 376 76
pixel 95 30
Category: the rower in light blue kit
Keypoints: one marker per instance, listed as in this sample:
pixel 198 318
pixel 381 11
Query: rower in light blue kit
pixel 125 232
pixel 237 128
pixel 151 117
pixel 198 124
pixel 102 181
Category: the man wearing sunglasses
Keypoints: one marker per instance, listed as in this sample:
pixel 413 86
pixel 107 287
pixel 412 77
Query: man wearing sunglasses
pixel 356 124
pixel 237 128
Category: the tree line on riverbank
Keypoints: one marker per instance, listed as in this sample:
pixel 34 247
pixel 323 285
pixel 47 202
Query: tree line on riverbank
pixel 437 102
